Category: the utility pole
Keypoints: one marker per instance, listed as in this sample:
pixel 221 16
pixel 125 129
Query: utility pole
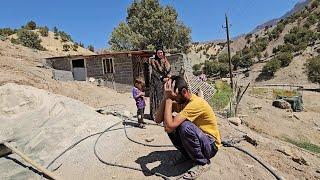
pixel 229 55
pixel 230 66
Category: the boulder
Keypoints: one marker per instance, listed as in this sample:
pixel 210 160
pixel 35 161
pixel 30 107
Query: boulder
pixel 235 120
pixel 280 103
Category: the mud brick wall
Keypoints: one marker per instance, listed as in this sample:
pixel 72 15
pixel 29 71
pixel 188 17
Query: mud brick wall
pixel 123 69
pixel 61 64
pixel 94 67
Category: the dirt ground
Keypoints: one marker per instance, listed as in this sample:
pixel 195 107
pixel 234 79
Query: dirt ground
pixel 49 123
pixel 45 117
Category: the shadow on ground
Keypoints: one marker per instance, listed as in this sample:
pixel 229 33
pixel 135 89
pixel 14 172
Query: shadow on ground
pixel 165 168
pixel 263 77
pixel 145 116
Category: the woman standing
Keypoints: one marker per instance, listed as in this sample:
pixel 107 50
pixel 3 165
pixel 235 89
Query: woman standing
pixel 160 73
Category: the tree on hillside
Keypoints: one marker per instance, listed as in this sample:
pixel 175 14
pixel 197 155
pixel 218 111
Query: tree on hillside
pixel 271 67
pixel 148 25
pixel 91 48
pixel 223 58
pixel 44 31
pixel 29 39
pixel 236 60
pixel 64 36
pixel 56 33
pixel 7 31
pixel 313 69
pixel 314 4
pixel 285 59
pixel 196 67
pixel 31 25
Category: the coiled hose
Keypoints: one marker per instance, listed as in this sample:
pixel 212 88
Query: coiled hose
pixel 124 122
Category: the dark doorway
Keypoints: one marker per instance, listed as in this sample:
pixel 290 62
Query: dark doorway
pixel 78 63
pixel 78 70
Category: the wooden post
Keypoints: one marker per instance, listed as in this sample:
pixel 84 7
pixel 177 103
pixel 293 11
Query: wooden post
pixel 33 163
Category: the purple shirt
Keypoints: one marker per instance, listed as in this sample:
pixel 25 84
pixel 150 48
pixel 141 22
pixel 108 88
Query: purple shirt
pixel 139 100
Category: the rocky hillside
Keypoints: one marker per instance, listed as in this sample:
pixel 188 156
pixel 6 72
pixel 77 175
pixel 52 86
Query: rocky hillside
pixel 55 42
pixel 293 39
pixel 298 7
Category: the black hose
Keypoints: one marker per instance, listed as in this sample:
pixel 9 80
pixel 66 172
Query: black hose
pixel 255 158
pixel 79 141
pixel 123 166
pixel 226 144
pixel 111 164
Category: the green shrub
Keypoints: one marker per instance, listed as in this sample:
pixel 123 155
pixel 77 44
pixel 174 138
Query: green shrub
pixel 222 97
pixel 223 58
pixel 248 36
pixel 56 33
pixel 312 19
pixel 275 33
pixel 224 69
pixel 7 32
pixel 271 67
pixel 31 25
pixel 55 30
pixel 81 44
pixel 259 45
pixel 236 60
pixel 75 47
pixel 300 37
pixel 14 41
pixel 284 48
pixel 313 69
pixel 64 36
pixel 66 47
pixel 91 48
pixel 196 67
pixel 29 39
pixel 285 59
pixel 211 67
pixel 307 24
pixel 314 4
pixel 44 31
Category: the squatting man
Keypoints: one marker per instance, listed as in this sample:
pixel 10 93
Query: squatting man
pixel 193 130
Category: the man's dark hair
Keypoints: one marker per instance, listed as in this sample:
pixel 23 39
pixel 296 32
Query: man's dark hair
pixel 180 83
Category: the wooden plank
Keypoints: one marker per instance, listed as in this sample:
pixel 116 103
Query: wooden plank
pixel 33 163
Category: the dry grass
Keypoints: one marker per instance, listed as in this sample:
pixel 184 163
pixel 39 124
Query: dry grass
pixel 285 93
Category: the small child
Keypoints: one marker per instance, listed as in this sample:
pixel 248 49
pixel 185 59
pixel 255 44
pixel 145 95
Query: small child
pixel 138 95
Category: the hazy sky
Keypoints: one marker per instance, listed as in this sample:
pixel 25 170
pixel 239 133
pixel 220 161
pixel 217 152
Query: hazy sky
pixel 92 22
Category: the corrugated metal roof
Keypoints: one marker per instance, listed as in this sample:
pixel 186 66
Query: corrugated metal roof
pixel 142 52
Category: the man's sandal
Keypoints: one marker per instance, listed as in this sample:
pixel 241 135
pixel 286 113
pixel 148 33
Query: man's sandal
pixel 196 171
pixel 142 126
